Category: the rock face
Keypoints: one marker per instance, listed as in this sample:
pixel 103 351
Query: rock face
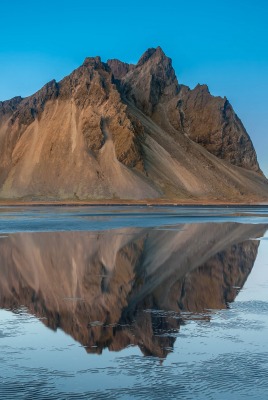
pixel 119 68
pixel 121 131
pixel 98 287
pixel 212 122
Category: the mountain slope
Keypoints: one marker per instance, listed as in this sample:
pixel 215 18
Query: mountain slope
pixel 210 121
pixel 119 131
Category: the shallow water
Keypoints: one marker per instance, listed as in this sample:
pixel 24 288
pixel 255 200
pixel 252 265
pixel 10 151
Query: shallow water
pixel 134 302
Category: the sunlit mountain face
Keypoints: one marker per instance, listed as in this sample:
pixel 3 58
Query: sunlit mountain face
pixel 115 131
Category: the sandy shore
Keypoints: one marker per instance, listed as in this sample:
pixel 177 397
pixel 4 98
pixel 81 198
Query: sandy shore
pixel 112 202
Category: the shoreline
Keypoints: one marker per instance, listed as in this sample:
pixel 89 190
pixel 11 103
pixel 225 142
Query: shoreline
pixel 129 203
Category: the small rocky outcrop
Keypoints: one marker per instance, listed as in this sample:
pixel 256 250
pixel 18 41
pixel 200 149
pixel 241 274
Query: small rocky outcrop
pixel 119 68
pixel 9 106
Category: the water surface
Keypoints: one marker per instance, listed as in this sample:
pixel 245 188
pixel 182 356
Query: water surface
pixel 133 302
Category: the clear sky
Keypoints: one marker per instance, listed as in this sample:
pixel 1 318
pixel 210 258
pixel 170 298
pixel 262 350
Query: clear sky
pixel 221 43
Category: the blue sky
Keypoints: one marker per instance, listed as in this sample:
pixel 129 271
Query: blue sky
pixel 221 43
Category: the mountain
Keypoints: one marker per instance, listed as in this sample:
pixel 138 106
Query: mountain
pixel 122 131
pixel 129 286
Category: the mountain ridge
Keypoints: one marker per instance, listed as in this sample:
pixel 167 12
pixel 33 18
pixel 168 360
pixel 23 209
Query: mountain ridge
pixel 123 131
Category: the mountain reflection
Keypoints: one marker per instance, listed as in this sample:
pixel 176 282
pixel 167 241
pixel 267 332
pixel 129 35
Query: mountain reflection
pixel 126 287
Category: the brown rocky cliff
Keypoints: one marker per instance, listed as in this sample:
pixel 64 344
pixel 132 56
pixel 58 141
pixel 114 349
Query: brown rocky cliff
pixel 80 119
pixel 210 121
pixel 119 68
pixel 152 78
pixel 9 106
pixel 118 131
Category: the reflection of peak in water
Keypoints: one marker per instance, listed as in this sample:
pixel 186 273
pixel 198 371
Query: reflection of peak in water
pixel 92 284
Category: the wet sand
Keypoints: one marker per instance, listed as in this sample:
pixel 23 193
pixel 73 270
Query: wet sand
pixel 112 202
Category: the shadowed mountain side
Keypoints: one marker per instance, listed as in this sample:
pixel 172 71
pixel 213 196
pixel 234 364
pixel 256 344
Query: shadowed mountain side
pixel 185 170
pixel 119 131
pixel 153 88
pixel 96 286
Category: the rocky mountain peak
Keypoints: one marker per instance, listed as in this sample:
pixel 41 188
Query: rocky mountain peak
pixel 9 106
pixel 94 62
pixel 158 65
pixel 150 80
pixel 127 131
pixel 155 54
pixel 202 88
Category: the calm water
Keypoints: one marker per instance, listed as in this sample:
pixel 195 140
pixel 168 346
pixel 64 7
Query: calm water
pixel 133 303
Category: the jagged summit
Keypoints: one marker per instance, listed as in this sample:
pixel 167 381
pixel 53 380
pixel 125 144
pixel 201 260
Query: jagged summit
pixel 122 131
pixel 149 80
pixel 92 62
pixel 155 54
